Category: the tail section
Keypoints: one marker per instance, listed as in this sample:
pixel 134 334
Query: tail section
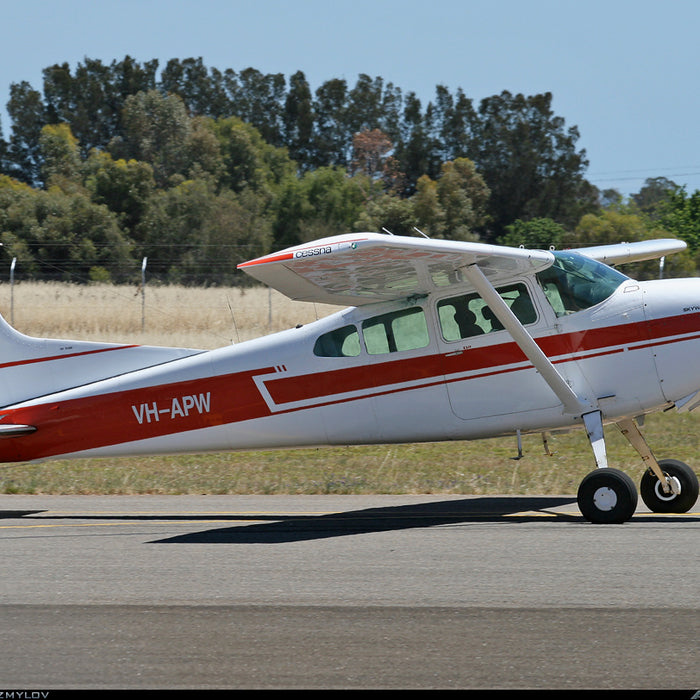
pixel 33 367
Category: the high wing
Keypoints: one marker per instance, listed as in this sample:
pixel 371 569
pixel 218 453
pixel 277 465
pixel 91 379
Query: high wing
pixel 363 268
pixel 617 253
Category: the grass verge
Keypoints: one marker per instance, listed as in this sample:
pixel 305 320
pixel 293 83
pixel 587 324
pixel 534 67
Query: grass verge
pixel 483 467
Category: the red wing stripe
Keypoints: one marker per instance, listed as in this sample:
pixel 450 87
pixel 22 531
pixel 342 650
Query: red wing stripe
pixel 267 259
pixel 290 255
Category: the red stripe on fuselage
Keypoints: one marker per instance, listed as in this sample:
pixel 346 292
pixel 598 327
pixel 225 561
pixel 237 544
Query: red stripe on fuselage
pixel 135 414
pixel 51 358
pixel 481 361
pixel 95 421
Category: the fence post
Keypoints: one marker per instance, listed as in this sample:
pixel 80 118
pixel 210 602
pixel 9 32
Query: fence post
pixel 12 291
pixel 143 294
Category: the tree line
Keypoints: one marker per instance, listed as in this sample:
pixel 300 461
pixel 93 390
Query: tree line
pixel 198 169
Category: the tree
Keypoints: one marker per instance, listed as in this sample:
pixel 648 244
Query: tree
pixel 62 236
pixel 202 90
pixel 345 157
pixel 28 115
pixel 124 187
pixel 453 123
pixel 388 212
pixel 365 107
pixel 4 148
pixel 322 202
pixel 372 156
pixel 91 100
pixel 464 196
pixel 454 205
pixel 427 211
pixel 415 150
pixel 159 131
pixel 248 160
pixel 192 235
pixel 61 157
pixel 655 193
pixel 619 226
pixel 298 120
pixel 331 141
pixel 260 102
pixel 537 234
pixel 529 161
pixel 680 214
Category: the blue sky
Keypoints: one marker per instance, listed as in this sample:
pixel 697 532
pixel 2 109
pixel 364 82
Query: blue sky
pixel 625 72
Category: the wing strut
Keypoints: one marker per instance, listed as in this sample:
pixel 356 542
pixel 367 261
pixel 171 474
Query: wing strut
pixel 572 402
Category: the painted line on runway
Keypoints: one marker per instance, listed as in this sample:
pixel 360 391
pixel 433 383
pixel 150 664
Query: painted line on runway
pixel 130 522
pixel 224 518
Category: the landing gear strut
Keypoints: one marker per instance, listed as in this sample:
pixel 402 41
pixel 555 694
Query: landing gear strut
pixel 609 496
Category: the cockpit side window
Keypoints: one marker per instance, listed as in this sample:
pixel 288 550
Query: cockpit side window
pixel 575 282
pixel 396 331
pixel 341 342
pixel 468 315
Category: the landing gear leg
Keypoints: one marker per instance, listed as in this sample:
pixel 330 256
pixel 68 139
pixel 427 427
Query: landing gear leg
pixel 605 495
pixel 667 486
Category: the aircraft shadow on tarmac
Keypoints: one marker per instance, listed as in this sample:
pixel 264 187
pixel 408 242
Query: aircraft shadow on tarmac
pixel 282 528
pixel 295 528
pixel 7 514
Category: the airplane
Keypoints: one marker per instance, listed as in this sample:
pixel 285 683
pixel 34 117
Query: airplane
pixel 436 340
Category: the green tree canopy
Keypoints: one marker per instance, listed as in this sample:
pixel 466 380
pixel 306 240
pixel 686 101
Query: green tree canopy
pixel 680 214
pixel 538 234
pixel 619 227
pixel 245 160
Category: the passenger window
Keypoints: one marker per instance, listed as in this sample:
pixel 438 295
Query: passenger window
pixel 342 342
pixel 396 331
pixel 467 315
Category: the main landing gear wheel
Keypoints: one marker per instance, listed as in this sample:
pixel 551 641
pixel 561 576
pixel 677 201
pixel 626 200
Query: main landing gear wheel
pixel 684 486
pixel 607 496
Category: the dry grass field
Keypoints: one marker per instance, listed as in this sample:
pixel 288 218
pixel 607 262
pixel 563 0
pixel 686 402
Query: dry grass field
pixel 209 318
pixel 171 315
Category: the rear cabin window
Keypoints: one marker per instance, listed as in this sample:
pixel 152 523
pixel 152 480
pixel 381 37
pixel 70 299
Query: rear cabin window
pixel 341 342
pixel 396 331
pixel 468 315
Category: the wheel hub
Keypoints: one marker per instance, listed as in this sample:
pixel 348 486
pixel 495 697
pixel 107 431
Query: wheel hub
pixel 605 498
pixel 675 485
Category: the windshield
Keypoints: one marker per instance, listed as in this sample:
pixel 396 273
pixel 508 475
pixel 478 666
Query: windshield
pixel 575 282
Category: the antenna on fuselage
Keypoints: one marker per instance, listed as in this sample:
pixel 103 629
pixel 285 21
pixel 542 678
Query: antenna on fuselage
pixel 425 235
pixel 386 230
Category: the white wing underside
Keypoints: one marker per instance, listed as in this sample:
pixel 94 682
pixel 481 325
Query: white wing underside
pixel 365 268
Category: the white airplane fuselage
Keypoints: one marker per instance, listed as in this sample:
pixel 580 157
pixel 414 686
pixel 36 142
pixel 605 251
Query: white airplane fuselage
pixel 629 355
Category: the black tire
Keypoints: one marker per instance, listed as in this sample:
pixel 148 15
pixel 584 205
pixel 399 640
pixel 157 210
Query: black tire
pixel 654 497
pixel 607 496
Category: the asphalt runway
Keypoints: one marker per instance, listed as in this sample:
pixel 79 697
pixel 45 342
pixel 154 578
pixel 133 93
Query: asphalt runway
pixel 347 592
